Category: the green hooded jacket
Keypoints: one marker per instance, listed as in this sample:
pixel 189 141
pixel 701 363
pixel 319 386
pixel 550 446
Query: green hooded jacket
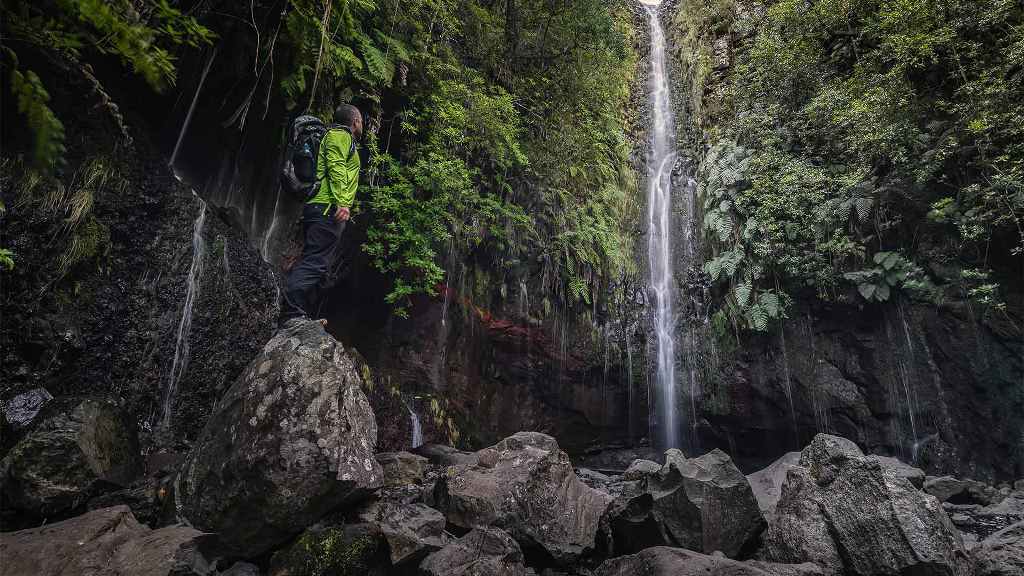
pixel 337 169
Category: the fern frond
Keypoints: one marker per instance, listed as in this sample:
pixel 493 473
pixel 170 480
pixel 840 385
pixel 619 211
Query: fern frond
pixel 47 131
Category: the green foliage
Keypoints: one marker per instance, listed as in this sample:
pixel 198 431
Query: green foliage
pixel 510 126
pixel 6 259
pixel 33 103
pixel 68 32
pixel 891 271
pixel 77 237
pixel 855 129
pixel 338 46
pixel 328 552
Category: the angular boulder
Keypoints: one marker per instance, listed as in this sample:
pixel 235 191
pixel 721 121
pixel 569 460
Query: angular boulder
pixel 703 504
pixel 482 552
pixel 957 491
pixel 639 469
pixel 20 411
pixel 767 482
pixel 798 531
pixel 441 455
pixel 411 530
pixel 108 542
pixel 849 513
pixel 1001 554
pixel 664 561
pixel 348 550
pixel 525 485
pixel 402 468
pixel 291 440
pixel 900 468
pixel 69 457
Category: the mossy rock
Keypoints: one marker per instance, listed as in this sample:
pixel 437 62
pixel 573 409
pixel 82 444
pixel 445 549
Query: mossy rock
pixel 350 550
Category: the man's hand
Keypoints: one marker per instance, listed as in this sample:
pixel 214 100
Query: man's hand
pixel 342 214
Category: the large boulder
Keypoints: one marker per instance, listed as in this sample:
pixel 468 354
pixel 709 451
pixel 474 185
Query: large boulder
pixel 977 522
pixel 108 542
pixel 20 411
pixel 482 552
pixel 526 485
pixel 292 440
pixel 664 561
pixel 346 550
pixel 703 504
pixel 411 530
pixel 900 468
pixel 767 482
pixel 1001 554
pixel 402 468
pixel 957 491
pixel 69 457
pixel 798 531
pixel 849 513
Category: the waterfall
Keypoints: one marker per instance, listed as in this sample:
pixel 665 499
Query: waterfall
pixel 901 382
pixel 181 345
pixel 788 384
pixel 417 428
pixel 659 236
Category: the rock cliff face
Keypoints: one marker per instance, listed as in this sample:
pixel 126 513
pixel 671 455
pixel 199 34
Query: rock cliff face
pixel 936 385
pixel 109 326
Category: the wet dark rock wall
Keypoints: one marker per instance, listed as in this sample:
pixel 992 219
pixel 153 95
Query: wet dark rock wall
pixel 108 325
pixel 941 386
pixel 853 371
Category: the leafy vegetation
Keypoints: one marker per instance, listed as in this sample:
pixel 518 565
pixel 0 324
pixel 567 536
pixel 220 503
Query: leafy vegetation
pixel 867 144
pixel 495 126
pixel 67 32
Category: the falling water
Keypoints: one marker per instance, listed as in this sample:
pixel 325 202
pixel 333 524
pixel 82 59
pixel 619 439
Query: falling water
pixel 819 400
pixel 629 385
pixel 906 373
pixel 417 428
pixel 659 247
pixel 787 381
pixel 192 108
pixel 901 382
pixel 181 345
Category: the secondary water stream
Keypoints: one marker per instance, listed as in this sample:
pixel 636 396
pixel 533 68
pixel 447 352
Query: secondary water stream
pixel 181 344
pixel 659 235
pixel 417 428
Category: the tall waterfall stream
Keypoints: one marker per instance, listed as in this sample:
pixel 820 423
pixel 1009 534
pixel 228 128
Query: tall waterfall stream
pixel 659 235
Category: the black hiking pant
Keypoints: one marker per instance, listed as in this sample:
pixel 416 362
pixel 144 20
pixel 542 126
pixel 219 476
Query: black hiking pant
pixel 321 250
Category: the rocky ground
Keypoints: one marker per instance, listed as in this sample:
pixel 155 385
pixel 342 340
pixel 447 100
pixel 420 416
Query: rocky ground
pixel 284 480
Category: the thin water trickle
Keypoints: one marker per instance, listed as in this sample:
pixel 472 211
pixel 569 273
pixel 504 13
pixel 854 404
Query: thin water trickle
pixel 629 387
pixel 192 108
pixel 819 400
pixel 906 367
pixel 900 382
pixel 787 381
pixel 659 234
pixel 181 344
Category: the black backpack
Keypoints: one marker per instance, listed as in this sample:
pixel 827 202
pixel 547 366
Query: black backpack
pixel 298 175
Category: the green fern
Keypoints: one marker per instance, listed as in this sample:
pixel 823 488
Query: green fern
pixel 6 259
pixel 742 293
pixel 47 130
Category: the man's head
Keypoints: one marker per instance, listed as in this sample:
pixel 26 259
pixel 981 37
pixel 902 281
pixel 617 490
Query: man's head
pixel 348 115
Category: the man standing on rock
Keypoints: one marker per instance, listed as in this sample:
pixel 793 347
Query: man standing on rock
pixel 324 216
